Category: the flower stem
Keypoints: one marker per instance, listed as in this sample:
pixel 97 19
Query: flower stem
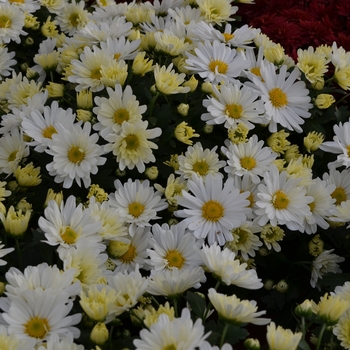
pixel 151 106
pixel 175 308
pixel 320 336
pixel 223 335
pixel 207 309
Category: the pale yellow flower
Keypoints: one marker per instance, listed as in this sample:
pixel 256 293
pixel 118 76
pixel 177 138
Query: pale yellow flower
pixel 99 334
pixel 28 176
pixel 342 76
pixel 152 315
pixel 99 193
pixel 51 195
pixel 313 141
pixel 330 308
pixel 280 338
pixel 55 90
pixel 192 83
pixel 184 133
pixel 84 99
pixel 15 222
pixel 278 141
pixel 217 11
pixel 324 101
pixel 142 65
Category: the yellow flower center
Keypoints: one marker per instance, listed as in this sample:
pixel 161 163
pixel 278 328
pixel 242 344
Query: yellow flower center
pixel 251 200
pixel 228 36
pixel 312 206
pixel 75 19
pixel 37 327
pixel 49 131
pixel 175 259
pixel 243 236
pixel 132 142
pixel 120 115
pixel 12 156
pixel 16 1
pixel 96 73
pixel 234 111
pixel 339 195
pixel 201 167
pixel 130 255
pixel 218 66
pixel 170 347
pixel 117 56
pixel 348 149
pixel 212 210
pixel 69 235
pixel 248 163
pixel 278 98
pixel 5 22
pixel 256 71
pixel 76 155
pixel 280 200
pixel 136 209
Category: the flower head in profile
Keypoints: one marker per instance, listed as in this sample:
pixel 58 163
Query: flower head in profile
pixel 183 132
pixel 217 12
pixel 280 338
pixel 330 308
pixel 15 221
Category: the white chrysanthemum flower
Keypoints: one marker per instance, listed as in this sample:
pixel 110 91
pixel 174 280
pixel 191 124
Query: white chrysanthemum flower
pixel 341 213
pixel 86 71
pixel 137 202
pixel 343 291
pixel 120 106
pixel 54 343
pixel 130 286
pixel 207 346
pixel 174 282
pixel 236 311
pixel 72 17
pixel 38 314
pixel 248 158
pixel 234 104
pixel 286 100
pixel 186 14
pixel 341 330
pixel 162 7
pixel 76 155
pixel 131 145
pixel 41 277
pixel 6 61
pixel 121 48
pixel 215 62
pixel 199 161
pixel 340 145
pixel 109 13
pixel 126 256
pixel 40 126
pixel 4 252
pixel 180 333
pixel 282 201
pixel 67 224
pixel 12 150
pixel 225 267
pixel 325 263
pixel 12 22
pixel 213 208
pixel 12 341
pixel 172 248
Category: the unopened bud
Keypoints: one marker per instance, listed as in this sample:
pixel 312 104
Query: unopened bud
pixel 99 334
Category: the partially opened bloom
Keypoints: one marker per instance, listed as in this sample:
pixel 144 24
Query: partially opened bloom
pixel 280 338
pixel 330 308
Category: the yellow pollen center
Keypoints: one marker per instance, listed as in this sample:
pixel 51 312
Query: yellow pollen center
pixel 130 255
pixel 5 22
pixel 117 56
pixel 339 195
pixel 170 347
pixel 69 235
pixel 132 142
pixel 250 198
pixel 348 149
pixel 201 167
pixel 228 36
pixel 256 71
pixel 312 206
pixel 280 200
pixel 120 115
pixel 96 73
pixel 212 210
pixel 75 19
pixel 248 163
pixel 12 156
pixel 37 327
pixel 17 1
pixel 175 259
pixel 76 155
pixel 136 209
pixel 218 66
pixel 278 98
pixel 234 111
pixel 49 131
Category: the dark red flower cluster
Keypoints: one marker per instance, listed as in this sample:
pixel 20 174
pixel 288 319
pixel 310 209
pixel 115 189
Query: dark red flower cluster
pixel 300 23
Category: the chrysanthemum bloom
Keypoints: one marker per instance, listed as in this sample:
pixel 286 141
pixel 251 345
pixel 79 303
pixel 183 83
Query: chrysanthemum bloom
pixel 15 222
pixel 215 62
pixel 323 101
pixel 28 176
pixel 226 268
pixel 217 12
pixel 213 208
pixel 330 308
pixel 342 330
pixel 313 140
pixel 76 155
pixel 12 341
pixel 55 343
pixel 6 61
pixel 286 100
pixel 280 338
pixel 183 132
pixel 178 333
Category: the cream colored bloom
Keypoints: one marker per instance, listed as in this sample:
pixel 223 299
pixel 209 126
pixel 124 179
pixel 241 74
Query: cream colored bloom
pixel 324 101
pixel 142 65
pixel 278 141
pixel 152 315
pixel 168 82
pixel 280 338
pixel 15 222
pixel 330 308
pixel 184 133
pixel 51 195
pixel 28 176
pixel 217 11
pixel 313 141
pixel 99 334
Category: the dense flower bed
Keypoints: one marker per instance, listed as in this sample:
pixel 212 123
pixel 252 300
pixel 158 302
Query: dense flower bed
pixel 172 178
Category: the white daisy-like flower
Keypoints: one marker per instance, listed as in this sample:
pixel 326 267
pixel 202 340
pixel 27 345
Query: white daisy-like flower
pixel 282 201
pixel 162 7
pixel 174 282
pixel 236 311
pixel 234 104
pixel 121 48
pixel 224 266
pixel 248 158
pixel 36 315
pixel 12 150
pixel 255 62
pixel 343 291
pixel 68 223
pixel 107 14
pixel 326 262
pixel 137 202
pixel 186 14
pixel 341 213
pixel 131 145
pixel 120 106
pixel 6 61
pixel 215 62
pixel 41 125
pixel 286 100
pixel 340 145
pixel 76 155
pixel 213 208
pixel 4 252
pixel 199 161
pixel 27 6
pixel 172 247
pixel 180 333
pixel 12 23
pixel 54 343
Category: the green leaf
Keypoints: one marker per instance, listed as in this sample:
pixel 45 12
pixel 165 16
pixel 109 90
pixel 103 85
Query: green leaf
pixel 303 345
pixel 197 303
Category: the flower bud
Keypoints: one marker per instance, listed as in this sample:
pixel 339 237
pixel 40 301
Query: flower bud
pixel 182 109
pixel 324 101
pixel 99 334
pixel 281 286
pixel 252 344
pixel 318 84
pixel 192 83
pixel 152 172
pixel 304 309
pixel 268 284
pixel 207 87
